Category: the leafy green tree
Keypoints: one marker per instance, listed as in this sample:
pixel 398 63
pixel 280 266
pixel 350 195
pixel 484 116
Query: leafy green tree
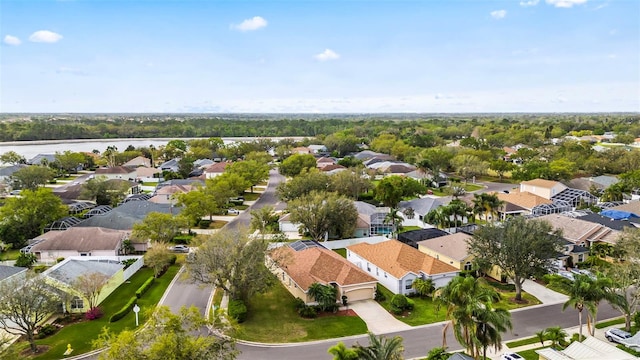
pixel 542 336
pixel 90 285
pixel 392 189
pixel 26 260
pixel 438 353
pixel 104 191
pixel 625 274
pixel 341 352
pixel 323 215
pixel 168 336
pixel 158 227
pixel 562 169
pixel 24 218
pixel 175 148
pixel 350 183
pixel 435 159
pixel 438 216
pixel 69 161
pixel 12 157
pixel 32 177
pixel 252 171
pixel 233 181
pixel 349 162
pixel 307 181
pixel 520 247
pixel 261 157
pixel 158 258
pixel 469 166
pixel 206 200
pixel 26 302
pixel 265 220
pixel 294 164
pixel 381 348
pixel 341 143
pixel 233 261
pixel 501 167
pixel 532 170
pixel 394 218
pixel 324 295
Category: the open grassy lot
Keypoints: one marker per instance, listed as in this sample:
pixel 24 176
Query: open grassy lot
pixel 272 318
pixel 81 335
pixel 11 254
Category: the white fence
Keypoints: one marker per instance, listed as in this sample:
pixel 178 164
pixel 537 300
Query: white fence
pixel 340 244
pixel 133 268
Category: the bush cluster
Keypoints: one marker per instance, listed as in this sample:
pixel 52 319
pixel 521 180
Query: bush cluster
pixel 124 310
pixel 238 310
pixel 46 330
pixel 144 287
pixel 400 303
pixel 93 313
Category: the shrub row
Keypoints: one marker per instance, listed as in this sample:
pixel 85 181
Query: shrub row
pixel 238 310
pixel 144 287
pixel 124 310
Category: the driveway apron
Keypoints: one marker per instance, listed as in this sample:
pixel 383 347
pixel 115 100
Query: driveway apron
pixel 378 320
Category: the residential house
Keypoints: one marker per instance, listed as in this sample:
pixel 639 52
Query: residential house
pixel 375 218
pixel 611 223
pixel 147 173
pixel 11 272
pixel 79 241
pixel 203 163
pixel 301 150
pixel 117 172
pixel 123 217
pixel 579 231
pixel 632 207
pixel 396 265
pixel 543 188
pixel 215 170
pixel 42 159
pixel 166 194
pixel 318 149
pixel 389 168
pixel 332 169
pixel 7 171
pixel 324 161
pixel 589 349
pixel 428 178
pixel 172 165
pixel 138 161
pixel 368 154
pixel 414 211
pixel 520 203
pixel 63 277
pixel 300 264
pixel 290 228
pixel 452 249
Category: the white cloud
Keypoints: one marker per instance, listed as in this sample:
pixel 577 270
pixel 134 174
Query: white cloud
pixel 326 55
pixel 499 14
pixel 255 23
pixel 11 40
pixel 45 36
pixel 565 3
pixel 529 3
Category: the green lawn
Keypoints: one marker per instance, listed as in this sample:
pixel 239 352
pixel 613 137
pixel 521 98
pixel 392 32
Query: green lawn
pixel 11 254
pixel 272 318
pixel 530 354
pixel 342 252
pixel 150 183
pixel 248 196
pixel 82 334
pixel 604 324
pixel 424 311
pixel 522 342
pixel 409 228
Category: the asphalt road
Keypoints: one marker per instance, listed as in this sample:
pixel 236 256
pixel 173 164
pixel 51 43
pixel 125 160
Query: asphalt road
pixel 418 341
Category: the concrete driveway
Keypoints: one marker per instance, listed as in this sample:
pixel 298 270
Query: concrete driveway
pixel 378 320
pixel 545 295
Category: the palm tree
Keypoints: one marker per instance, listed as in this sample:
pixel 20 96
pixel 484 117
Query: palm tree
pixel 486 204
pixel 324 295
pixel 465 298
pixel 437 217
pixel 490 324
pixel 341 352
pixel 395 220
pixel 458 208
pixel 581 295
pixel 380 348
pixel 542 336
pixel 424 287
pixel 457 191
pixel 556 334
pixel 438 353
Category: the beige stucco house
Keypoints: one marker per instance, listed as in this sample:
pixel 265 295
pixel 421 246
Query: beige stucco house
pixel 451 249
pixel 78 241
pixel 542 188
pixel 302 263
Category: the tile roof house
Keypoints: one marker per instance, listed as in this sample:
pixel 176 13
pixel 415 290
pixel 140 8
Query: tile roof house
pixel 79 241
pixel 216 169
pixel 116 172
pixel 302 263
pixel 324 161
pixel 542 188
pixel 396 265
pixel 301 150
pixel 589 349
pixel 632 207
pixel 581 232
pixel 451 249
pixel 138 161
pixel 524 200
pixel 332 169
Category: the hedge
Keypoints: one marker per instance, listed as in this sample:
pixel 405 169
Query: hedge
pixel 144 287
pixel 124 310
pixel 238 310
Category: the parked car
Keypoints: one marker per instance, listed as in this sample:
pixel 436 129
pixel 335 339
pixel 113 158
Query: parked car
pixel 233 211
pixel 511 356
pixel 180 248
pixel 617 335
pixel 15 192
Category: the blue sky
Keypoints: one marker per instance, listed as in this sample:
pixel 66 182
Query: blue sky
pixel 319 56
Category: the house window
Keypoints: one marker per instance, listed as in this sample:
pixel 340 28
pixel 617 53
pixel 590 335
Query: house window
pixel 407 284
pixel 468 266
pixel 377 272
pixel 283 276
pixel 385 274
pixel 368 267
pixel 77 303
pixel 580 257
pixel 85 254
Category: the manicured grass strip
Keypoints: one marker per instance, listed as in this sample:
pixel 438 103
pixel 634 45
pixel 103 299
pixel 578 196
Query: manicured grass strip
pixel 522 342
pixel 272 318
pixel 251 196
pixel 604 324
pixel 506 302
pixel 81 335
pixel 342 252
pixel 530 354
pixel 217 297
pixel 409 228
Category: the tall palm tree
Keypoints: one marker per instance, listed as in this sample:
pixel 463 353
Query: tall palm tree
pixel 458 208
pixel 395 220
pixel 324 295
pixel 601 289
pixel 438 353
pixel 341 352
pixel 580 296
pixel 424 287
pixel 490 324
pixel 465 298
pixel 486 204
pixel 542 336
pixel 437 217
pixel 380 348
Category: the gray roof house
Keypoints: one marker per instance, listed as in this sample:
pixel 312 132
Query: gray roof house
pixel 7 272
pixel 420 206
pixel 170 165
pixel 7 171
pixel 42 158
pixel 126 215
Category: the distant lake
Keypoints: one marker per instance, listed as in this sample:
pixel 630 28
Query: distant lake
pixel 29 149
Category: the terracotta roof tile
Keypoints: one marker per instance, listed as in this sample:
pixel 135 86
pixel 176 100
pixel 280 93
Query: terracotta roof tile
pixel 217 167
pixel 453 246
pixel 398 259
pixel 523 199
pixel 548 184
